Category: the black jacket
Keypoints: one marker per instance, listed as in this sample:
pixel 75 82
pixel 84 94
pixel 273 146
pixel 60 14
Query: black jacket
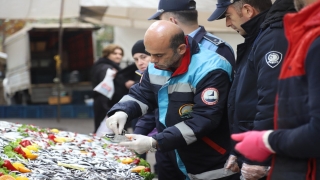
pixel 121 78
pixel 297 116
pixel 98 73
pixel 252 95
pixel 99 69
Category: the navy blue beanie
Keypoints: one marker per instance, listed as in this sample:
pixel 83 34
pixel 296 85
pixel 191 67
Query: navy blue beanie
pixel 138 47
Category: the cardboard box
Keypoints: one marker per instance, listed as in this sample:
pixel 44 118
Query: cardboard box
pixel 53 100
pixel 40 46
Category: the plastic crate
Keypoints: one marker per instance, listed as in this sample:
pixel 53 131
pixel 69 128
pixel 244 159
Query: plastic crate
pixel 66 111
pixel 83 111
pixel 14 112
pixel 48 111
pixel 78 97
pixel 32 112
pixel 2 111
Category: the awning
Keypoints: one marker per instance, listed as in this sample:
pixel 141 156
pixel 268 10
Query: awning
pixel 47 27
pixel 38 9
pixel 121 13
pixel 134 13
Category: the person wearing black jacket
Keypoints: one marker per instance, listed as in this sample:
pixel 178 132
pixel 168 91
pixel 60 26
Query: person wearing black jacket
pixel 112 56
pixel 294 143
pixel 259 58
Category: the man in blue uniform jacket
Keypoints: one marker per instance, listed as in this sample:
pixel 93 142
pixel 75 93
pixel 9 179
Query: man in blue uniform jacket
pixel 188 84
pixel 259 59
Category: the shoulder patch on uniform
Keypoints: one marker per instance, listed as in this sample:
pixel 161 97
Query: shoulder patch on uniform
pixel 273 58
pixel 210 96
pixel 213 40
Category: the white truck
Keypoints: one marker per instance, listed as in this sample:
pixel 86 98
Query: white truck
pixel 31 68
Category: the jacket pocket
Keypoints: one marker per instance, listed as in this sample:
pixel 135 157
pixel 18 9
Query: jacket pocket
pixel 245 125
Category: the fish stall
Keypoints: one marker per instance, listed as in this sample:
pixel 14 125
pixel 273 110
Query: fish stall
pixel 32 153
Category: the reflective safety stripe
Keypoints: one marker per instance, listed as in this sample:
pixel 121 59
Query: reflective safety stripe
pixel 186 132
pixel 181 87
pixel 214 145
pixel 158 79
pixel 144 107
pixel 214 174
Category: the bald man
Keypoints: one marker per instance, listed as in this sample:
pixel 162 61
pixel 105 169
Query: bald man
pixel 188 85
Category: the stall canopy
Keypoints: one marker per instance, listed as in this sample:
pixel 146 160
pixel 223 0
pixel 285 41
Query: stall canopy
pixel 38 9
pixel 134 13
pixel 121 13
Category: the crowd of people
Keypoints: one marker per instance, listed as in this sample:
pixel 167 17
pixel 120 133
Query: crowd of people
pixel 209 114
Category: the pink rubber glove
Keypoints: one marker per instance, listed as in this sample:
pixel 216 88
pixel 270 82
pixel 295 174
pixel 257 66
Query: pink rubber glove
pixel 253 145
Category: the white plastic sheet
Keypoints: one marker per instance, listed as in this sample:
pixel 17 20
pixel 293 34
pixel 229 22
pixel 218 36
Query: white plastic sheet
pixel 38 9
pixel 106 87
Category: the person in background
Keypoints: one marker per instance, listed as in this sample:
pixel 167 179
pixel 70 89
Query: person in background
pixel 141 60
pixel 187 85
pixel 145 125
pixel 184 14
pixel 112 56
pixel 295 141
pixel 258 65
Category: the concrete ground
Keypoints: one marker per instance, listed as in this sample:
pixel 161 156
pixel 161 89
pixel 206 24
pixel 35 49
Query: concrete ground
pixel 84 126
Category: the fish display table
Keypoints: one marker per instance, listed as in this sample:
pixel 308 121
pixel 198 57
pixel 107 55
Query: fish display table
pixel 29 152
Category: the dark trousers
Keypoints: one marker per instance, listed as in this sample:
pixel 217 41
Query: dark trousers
pixel 167 166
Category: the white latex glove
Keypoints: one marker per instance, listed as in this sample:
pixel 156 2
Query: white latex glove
pixel 253 172
pixel 232 164
pixel 139 143
pixel 103 129
pixel 119 118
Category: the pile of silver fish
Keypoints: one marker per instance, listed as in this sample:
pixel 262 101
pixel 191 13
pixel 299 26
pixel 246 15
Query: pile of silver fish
pixel 78 157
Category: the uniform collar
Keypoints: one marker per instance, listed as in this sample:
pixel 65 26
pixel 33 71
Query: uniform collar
pixel 252 27
pixel 198 34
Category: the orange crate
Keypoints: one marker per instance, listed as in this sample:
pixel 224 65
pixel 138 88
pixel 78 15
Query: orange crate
pixel 63 100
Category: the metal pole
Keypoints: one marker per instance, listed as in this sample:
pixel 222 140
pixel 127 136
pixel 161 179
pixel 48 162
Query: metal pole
pixel 3 33
pixel 60 59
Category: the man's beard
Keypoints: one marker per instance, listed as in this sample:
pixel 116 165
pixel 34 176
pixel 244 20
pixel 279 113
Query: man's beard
pixel 299 4
pixel 176 60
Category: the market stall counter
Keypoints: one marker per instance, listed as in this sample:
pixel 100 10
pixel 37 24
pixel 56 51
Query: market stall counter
pixel 29 152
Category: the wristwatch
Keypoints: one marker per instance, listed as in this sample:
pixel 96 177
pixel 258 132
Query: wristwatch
pixel 153 146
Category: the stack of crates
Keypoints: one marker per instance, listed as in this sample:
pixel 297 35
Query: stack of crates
pixel 46 111
pixel 83 111
pixel 14 112
pixel 2 111
pixel 31 112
